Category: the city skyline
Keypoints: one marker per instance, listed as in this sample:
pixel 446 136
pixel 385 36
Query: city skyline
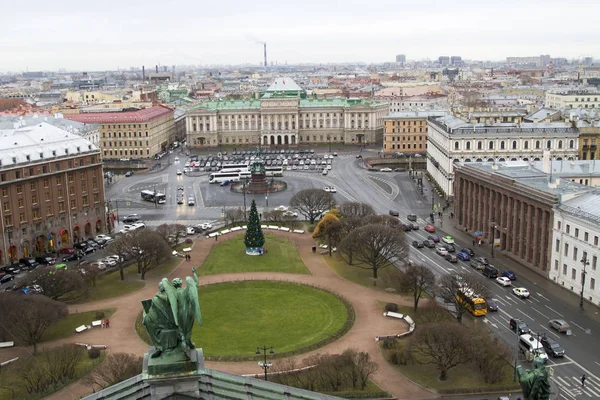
pixel 51 36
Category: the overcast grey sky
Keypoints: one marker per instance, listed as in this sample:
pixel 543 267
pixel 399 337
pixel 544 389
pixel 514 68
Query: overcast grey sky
pixel 97 35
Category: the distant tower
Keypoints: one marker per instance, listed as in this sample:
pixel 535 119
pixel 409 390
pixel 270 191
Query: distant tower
pixel 265 48
pixel 401 58
pixel 143 73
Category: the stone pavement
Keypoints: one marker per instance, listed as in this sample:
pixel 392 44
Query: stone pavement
pixel 370 322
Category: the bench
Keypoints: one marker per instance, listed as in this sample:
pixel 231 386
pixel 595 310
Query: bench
pixel 82 328
pixel 298 231
pixel 324 252
pixel 225 231
pixel 263 227
pixel 283 228
pixel 244 227
pixel 212 235
pixel 187 249
pixel 97 322
pixel 235 229
pixel 6 344
pixel 393 315
pixel 273 227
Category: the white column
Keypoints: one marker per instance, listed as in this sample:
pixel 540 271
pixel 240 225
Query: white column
pixel 237 128
pixel 222 123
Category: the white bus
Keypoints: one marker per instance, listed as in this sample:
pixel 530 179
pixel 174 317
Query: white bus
pixel 234 167
pixel 274 171
pixel 218 177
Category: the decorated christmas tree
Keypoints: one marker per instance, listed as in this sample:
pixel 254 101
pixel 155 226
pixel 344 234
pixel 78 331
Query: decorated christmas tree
pixel 254 239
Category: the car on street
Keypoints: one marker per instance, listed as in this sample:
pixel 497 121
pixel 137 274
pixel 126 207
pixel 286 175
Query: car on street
pixel 509 274
pixel 190 230
pixel 110 262
pixel 46 260
pixel 429 243
pixel 559 324
pixel 66 250
pixel 394 213
pixel 103 237
pixel 6 277
pixel 482 260
pixel 73 256
pixel 490 271
pixel 29 262
pixel 450 248
pixel 191 201
pixel 128 173
pixel 429 228
pixel 417 244
pixel 434 238
pixel 179 172
pixel 411 217
pixel 290 214
pixel 516 325
pixel 451 258
pixel 463 256
pixel 468 251
pixel 441 250
pixel 503 281
pixel 476 264
pixel 130 218
pixel 552 347
pixel 385 170
pixel 491 304
pixel 521 292
pixel 206 226
pixel 448 239
pixel 332 189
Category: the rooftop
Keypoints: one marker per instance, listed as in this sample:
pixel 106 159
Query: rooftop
pixel 586 207
pixel 231 105
pixel 14 122
pixel 39 142
pixel 284 85
pixel 414 114
pixel 144 115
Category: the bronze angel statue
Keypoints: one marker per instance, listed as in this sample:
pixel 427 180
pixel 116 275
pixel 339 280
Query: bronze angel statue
pixel 169 316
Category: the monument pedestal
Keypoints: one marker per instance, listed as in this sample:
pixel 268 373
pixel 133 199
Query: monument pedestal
pixel 173 374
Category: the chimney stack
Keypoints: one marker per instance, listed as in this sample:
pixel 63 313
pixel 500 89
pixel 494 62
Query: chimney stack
pixel 265 47
pixel 157 69
pixel 143 73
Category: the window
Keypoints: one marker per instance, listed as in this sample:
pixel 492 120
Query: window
pixel 571 144
pixel 559 224
pixel 557 247
pixel 568 230
pixel 594 262
pixel 46 183
pixel 575 253
pixel 560 144
pixel 573 273
pixel 526 145
pixel 577 233
pixel 468 145
pixel 21 203
pixel 556 265
pixel 479 145
pixel 7 221
pixel 456 146
pixel 564 271
pixel 592 284
pixel 549 144
pixel 19 189
pixel 537 144
pixel 514 144
pixel 22 217
pixel 58 180
pixel 595 240
pixel 34 199
pixel 566 249
pixel 502 145
pixel 586 236
pixel 5 193
pixel 73 203
pixel 491 145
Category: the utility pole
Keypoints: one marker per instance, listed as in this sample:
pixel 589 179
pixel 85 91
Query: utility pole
pixel 585 263
pixel 493 235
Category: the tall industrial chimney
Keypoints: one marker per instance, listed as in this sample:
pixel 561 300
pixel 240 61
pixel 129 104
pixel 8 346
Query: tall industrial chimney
pixel 265 47
pixel 143 73
pixel 157 69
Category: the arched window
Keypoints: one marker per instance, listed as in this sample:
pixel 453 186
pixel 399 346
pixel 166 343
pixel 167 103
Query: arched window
pixel 526 145
pixel 514 145
pixel 456 160
pixel 469 145
pixel 537 144
pixel 491 145
pixel 560 144
pixel 490 160
pixel 548 144
pixel 456 145
pixel 479 160
pixel 479 145
pixel 502 159
pixel 571 144
pixel 502 145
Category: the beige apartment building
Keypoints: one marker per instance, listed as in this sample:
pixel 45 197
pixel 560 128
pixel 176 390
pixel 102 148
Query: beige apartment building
pixel 51 190
pixel 406 131
pixel 132 134
pixel 572 99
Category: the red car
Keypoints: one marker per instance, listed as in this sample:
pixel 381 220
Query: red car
pixel 66 251
pixel 429 228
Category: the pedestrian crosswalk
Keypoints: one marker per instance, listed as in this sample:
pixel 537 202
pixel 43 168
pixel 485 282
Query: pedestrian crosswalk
pixel 571 387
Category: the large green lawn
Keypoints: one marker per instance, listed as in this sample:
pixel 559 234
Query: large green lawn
pixel 353 273
pixel 66 326
pixel 110 285
pixel 238 317
pixel 230 256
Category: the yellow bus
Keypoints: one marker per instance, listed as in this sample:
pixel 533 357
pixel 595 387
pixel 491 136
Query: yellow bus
pixel 475 304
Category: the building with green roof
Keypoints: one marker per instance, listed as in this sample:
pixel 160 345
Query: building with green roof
pixel 285 115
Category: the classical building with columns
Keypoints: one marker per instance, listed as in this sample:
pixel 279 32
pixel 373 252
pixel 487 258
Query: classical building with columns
pixel 285 115
pixel 451 140
pixel 514 203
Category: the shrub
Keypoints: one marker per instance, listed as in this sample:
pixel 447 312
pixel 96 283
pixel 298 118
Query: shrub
pixel 391 307
pixel 99 315
pixel 93 353
pixel 311 228
pixel 189 241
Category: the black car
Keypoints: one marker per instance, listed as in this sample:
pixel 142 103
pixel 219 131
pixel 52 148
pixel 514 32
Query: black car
pixel 394 213
pixel 13 269
pixel 92 243
pixel 452 258
pixel 490 271
pixel 5 277
pixel 552 347
pixel 434 238
pixel 450 248
pixel 102 243
pixel 78 255
pixel 46 260
pixel 80 245
pixel 491 304
pixel 417 244
pixel 468 251
pixel 128 173
pixel 429 243
pixel 516 325
pixel 29 262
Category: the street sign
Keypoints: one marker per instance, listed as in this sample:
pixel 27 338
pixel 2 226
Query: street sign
pixel 128 204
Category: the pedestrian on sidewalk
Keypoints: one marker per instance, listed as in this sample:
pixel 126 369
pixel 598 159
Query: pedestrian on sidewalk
pixel 583 381
pixel 189 257
pixel 473 242
pixel 107 323
pixel 102 324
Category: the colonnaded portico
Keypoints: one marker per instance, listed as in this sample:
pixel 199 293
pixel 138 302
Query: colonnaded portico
pixel 285 116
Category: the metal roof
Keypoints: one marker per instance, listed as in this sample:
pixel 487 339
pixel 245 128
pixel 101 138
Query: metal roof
pixel 39 142
pixel 14 122
pixel 284 85
pixel 144 115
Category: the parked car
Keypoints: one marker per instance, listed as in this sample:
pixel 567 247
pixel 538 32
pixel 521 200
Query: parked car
pixel 503 281
pixel 417 244
pixel 450 248
pixel 103 237
pixel 521 292
pixel 509 274
pixel 516 325
pixel 66 250
pixel 476 264
pixel 206 226
pixel 46 260
pixel 552 347
pixel 6 277
pixel 463 256
pixel 451 257
pixel 29 262
pixel 490 271
pixel 429 228
pixel 73 256
pixel 385 170
pixel 128 173
pixel 130 218
pixel 482 260
pixel 559 324
pixel 190 230
pixel 394 213
pixel 468 251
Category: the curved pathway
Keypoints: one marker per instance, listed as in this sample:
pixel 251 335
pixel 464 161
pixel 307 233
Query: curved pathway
pixel 370 322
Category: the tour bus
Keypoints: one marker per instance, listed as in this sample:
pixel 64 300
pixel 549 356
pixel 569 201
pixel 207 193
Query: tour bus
pixel 274 171
pixel 474 303
pixel 149 195
pixel 234 167
pixel 218 177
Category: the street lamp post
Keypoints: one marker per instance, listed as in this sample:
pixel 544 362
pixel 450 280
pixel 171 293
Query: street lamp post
pixel 244 185
pixel 493 235
pixel 329 141
pixel 585 263
pixel 432 201
pixel 264 365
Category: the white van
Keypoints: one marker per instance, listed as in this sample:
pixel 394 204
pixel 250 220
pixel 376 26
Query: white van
pixel 531 347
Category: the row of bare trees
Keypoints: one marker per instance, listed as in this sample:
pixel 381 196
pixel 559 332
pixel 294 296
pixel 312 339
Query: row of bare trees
pixel 327 372
pixel 114 369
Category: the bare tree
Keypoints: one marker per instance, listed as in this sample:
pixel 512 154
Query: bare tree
pixel 28 317
pixel 89 272
pixel 417 279
pixel 233 215
pixel 489 355
pixel 312 202
pixel 355 209
pixel 115 368
pixel 359 367
pixel 121 247
pixel 171 232
pixel 272 215
pixel 377 246
pixel 444 345
pixel 58 284
pixel 386 220
pixel 449 286
pixel 148 249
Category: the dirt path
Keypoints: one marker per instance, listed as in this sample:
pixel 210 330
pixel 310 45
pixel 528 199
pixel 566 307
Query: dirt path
pixel 370 322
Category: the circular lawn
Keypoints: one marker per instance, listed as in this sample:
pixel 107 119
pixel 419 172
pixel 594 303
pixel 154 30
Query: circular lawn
pixel 240 316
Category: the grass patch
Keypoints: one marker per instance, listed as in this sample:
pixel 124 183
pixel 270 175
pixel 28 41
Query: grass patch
pixel 66 326
pixel 110 284
pixel 10 379
pixel 230 256
pixel 463 378
pixel 240 316
pixel 183 245
pixel 363 277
